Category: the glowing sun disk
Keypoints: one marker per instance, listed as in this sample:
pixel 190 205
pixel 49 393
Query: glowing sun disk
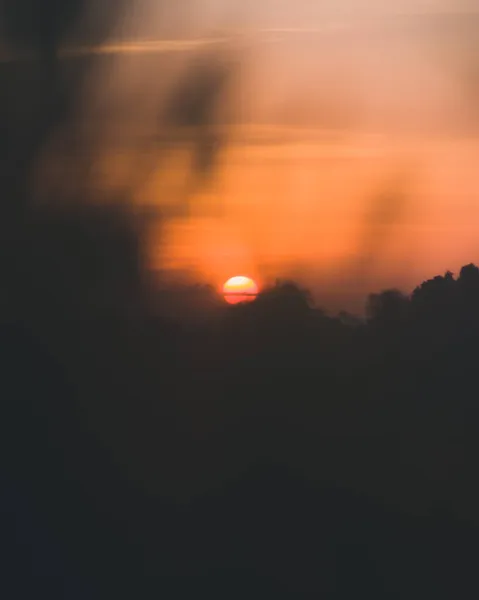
pixel 240 289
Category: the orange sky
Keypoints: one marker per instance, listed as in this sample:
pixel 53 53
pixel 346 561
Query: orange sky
pixel 386 113
pixel 301 210
pixel 322 211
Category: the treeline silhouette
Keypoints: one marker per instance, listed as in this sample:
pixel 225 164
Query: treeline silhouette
pixel 168 442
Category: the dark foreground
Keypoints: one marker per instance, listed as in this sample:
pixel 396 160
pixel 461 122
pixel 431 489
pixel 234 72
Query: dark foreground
pixel 264 450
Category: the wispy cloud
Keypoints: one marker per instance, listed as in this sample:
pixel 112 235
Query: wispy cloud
pixel 143 47
pixel 130 47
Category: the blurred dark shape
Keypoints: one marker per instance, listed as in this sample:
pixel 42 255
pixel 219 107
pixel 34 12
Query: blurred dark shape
pixel 194 114
pixel 40 26
pixel 40 95
pixel 386 210
pixel 196 108
pixel 81 254
pixel 188 302
pixel 44 27
pixel 193 103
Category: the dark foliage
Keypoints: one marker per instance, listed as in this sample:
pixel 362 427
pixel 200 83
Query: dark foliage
pixel 266 449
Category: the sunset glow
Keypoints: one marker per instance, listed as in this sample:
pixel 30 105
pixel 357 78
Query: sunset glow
pixel 327 169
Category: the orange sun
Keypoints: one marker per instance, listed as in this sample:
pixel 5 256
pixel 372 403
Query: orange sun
pixel 240 289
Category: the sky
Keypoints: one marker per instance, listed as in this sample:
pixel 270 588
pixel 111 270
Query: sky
pixel 362 173
pixel 202 14
pixel 152 19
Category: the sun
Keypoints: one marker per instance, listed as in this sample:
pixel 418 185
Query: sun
pixel 240 289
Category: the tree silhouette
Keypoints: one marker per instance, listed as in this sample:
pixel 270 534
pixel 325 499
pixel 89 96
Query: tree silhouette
pixel 388 309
